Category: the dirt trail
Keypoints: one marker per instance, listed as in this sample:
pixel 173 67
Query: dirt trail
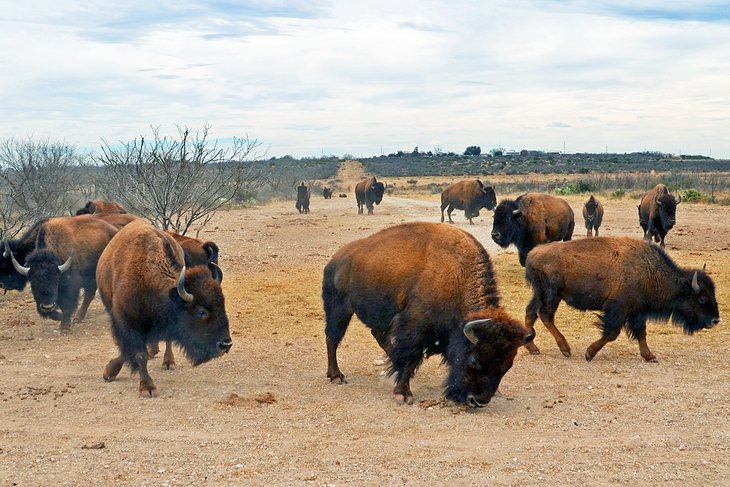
pixel 265 414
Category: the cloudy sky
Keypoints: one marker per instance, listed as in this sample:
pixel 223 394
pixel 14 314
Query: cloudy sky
pixel 311 77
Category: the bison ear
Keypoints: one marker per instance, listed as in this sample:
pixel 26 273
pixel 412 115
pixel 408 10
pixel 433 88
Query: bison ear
pixel 211 251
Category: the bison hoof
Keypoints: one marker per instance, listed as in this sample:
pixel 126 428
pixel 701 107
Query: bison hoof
pixel 147 391
pixel 651 359
pixel 170 366
pixel 566 353
pixel 589 357
pixel 403 399
pixel 340 379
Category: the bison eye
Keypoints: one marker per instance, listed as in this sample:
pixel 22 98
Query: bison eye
pixel 201 313
pixel 474 363
pixel 702 300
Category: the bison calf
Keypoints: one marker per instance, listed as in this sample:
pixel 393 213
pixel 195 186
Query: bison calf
pixel 151 296
pixel 303 194
pixel 626 279
pixel 423 289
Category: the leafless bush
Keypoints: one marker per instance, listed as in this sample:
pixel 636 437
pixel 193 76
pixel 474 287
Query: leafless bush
pixel 37 179
pixel 178 183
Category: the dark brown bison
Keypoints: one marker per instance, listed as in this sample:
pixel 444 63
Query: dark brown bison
pixel 327 193
pixel 593 215
pixel 368 192
pixel 423 289
pixel 657 213
pixel 303 193
pixel 63 262
pixel 530 220
pixel 20 248
pixel 626 279
pixel 470 196
pixel 151 296
pixel 101 207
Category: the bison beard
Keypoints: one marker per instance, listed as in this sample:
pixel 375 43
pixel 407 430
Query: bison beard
pixel 438 297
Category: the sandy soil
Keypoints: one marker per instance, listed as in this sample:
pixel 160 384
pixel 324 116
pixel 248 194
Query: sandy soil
pixel 265 414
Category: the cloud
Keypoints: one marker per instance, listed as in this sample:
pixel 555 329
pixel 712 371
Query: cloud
pixel 357 76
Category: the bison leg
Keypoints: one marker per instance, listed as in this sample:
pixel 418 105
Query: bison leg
pixel 89 293
pixel 547 315
pixel 146 385
pixel 638 329
pixel 112 368
pixel 153 349
pixel 370 208
pixel 448 212
pixel 612 323
pixel 337 320
pixel 530 317
pixel 168 360
pixel 589 233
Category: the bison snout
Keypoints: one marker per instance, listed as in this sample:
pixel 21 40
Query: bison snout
pixel 475 403
pixel 224 345
pixel 496 235
pixel 48 307
pixel 670 223
pixel 715 322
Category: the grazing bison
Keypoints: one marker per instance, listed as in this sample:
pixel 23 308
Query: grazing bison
pixel 657 213
pixel 64 261
pixel 470 196
pixel 368 192
pixel 20 248
pixel 101 207
pixel 423 289
pixel 302 203
pixel 593 215
pixel 327 193
pixel 530 220
pixel 151 296
pixel 627 279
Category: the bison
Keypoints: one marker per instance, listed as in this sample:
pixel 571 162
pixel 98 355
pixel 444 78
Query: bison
pixel 628 280
pixel 101 207
pixel 593 215
pixel 150 296
pixel 657 213
pixel 20 248
pixel 368 192
pixel 423 289
pixel 64 261
pixel 530 220
pixel 302 204
pixel 327 193
pixel 470 196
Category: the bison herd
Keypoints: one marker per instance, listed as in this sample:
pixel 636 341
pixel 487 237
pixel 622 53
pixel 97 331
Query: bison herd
pixel 438 297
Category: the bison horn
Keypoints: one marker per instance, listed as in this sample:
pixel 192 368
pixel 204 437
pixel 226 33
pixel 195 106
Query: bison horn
pixel 6 253
pixel 656 200
pixel 216 272
pixel 469 329
pixel 680 199
pixel 517 212
pixel 530 336
pixel 184 295
pixel 695 286
pixel 21 270
pixel 66 265
pixel 704 267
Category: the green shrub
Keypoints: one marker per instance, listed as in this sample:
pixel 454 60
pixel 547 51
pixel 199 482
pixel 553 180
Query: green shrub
pixel 693 195
pixel 617 194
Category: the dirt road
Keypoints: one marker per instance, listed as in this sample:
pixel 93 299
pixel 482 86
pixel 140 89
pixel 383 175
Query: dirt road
pixel 265 414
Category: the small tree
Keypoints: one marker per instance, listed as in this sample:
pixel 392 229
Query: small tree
pixel 178 183
pixel 36 181
pixel 473 150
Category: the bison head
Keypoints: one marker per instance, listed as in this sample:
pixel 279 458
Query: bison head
pixel 481 357
pixel 696 307
pixel 201 327
pixel 9 277
pixel 667 208
pixel 487 198
pixel 44 271
pixel 507 223
pixel 590 207
pixel 377 190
